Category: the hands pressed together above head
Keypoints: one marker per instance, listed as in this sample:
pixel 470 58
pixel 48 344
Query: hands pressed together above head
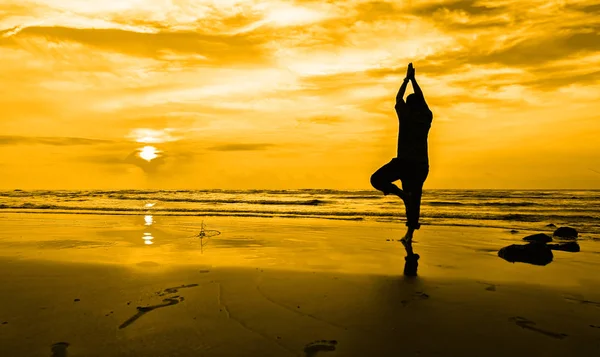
pixel 410 76
pixel 410 72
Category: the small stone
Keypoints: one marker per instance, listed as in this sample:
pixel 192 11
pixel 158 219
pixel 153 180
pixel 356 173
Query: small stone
pixel 538 238
pixel 551 225
pixel 77 300
pixel 532 253
pixel 566 233
pixel 513 231
pixel 572 247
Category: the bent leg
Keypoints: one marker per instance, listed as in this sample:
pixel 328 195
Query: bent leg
pixel 382 179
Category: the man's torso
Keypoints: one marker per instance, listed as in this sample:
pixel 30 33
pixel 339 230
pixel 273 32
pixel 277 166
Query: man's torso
pixel 413 133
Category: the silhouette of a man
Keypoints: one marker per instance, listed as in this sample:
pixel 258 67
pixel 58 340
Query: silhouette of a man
pixel 411 165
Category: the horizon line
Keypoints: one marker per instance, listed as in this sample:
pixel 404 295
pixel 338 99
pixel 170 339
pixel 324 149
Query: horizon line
pixel 289 189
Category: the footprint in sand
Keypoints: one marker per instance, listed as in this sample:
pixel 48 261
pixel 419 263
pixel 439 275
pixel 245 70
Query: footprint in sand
pixel 491 287
pixel 419 295
pixel 146 309
pixel 530 325
pixel 445 266
pixel 59 349
pixel 313 348
pixel 205 268
pixel 141 310
pixel 582 301
pixel 175 289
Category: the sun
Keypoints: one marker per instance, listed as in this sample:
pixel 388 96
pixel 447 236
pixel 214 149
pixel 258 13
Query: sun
pixel 148 153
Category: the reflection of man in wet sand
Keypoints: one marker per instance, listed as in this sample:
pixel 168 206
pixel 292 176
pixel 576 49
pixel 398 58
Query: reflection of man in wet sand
pixel 411 165
pixel 411 261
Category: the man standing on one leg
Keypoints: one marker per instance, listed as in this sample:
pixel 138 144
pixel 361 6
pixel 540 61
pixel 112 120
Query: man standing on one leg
pixel 411 165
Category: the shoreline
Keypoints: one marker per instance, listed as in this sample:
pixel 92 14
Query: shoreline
pixel 587 234
pixel 281 242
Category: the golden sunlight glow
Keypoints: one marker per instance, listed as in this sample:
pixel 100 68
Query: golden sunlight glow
pixel 151 136
pixel 148 153
pixel 295 94
pixel 284 14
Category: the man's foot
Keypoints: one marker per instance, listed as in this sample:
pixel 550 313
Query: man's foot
pixel 398 192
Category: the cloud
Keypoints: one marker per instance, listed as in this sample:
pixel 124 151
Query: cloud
pixel 585 8
pixel 563 79
pixel 172 159
pixel 536 51
pixel 149 167
pixel 241 147
pixel 323 119
pixel 374 11
pixel 103 159
pixel 215 49
pixel 149 136
pixel 55 141
pixel 471 7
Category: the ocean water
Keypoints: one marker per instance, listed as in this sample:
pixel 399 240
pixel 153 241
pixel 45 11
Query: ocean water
pixel 509 209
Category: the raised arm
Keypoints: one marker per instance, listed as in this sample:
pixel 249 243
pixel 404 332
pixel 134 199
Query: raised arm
pixel 400 95
pixel 417 89
pixel 402 90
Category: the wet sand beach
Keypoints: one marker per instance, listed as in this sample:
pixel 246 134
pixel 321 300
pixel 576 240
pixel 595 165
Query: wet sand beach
pixel 79 285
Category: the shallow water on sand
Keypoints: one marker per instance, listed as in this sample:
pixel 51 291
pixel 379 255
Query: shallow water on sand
pixel 159 242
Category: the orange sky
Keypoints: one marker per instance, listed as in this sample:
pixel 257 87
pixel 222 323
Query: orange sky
pixel 295 94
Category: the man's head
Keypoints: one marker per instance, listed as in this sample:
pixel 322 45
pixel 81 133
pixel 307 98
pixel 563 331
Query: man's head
pixel 414 101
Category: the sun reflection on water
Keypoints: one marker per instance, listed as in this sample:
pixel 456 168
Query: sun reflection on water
pixel 148 238
pixel 148 220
